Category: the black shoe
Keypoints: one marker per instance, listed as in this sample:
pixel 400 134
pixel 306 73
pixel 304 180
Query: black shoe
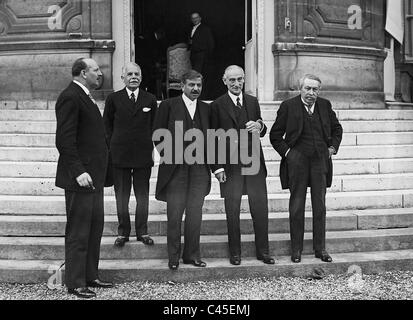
pixel 267 259
pixel 196 263
pixel 99 284
pixel 323 255
pixel 296 257
pixel 235 260
pixel 84 293
pixel 146 240
pixel 120 241
pixel 173 265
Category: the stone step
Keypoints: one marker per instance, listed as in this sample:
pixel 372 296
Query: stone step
pixel 345 152
pixel 268 112
pixel 215 224
pixel 156 270
pixel 341 167
pixel 212 246
pixel 46 186
pixel 277 202
pixel 349 126
pixel 350 139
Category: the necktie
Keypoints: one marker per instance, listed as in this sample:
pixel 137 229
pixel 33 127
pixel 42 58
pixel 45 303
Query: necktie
pixel 239 103
pixel 309 109
pixel 91 98
pixel 132 97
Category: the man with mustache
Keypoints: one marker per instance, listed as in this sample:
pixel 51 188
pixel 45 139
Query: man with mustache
pixel 306 133
pixel 238 111
pixel 81 171
pixel 183 184
pixel 128 116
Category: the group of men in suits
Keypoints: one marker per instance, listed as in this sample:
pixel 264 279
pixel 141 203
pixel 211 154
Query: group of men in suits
pixel 117 148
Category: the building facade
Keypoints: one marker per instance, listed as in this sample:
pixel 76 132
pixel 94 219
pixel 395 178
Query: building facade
pixel 344 42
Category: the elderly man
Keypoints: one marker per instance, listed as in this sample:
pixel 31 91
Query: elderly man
pixel 237 111
pixel 81 172
pixel 306 133
pixel 128 117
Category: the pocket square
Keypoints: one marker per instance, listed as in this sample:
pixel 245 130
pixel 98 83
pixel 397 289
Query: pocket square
pixel 146 109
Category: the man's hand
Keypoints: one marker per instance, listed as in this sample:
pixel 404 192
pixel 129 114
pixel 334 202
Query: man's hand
pixel 221 177
pixel 253 126
pixel 84 180
pixel 331 151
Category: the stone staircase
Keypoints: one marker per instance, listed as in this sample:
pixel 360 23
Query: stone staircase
pixel 369 219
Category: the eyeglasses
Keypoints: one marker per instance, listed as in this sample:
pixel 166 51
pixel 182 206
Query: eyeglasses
pixel 233 80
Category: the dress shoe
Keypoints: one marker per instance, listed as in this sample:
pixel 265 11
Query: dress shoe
pixel 120 241
pixel 267 259
pixel 97 283
pixel 146 240
pixel 296 257
pixel 173 265
pixel 84 293
pixel 196 263
pixel 235 260
pixel 323 255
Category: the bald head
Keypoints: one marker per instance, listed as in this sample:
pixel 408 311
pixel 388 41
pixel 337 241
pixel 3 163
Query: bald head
pixel 131 75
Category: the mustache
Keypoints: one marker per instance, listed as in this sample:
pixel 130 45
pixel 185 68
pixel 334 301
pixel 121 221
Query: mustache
pixel 195 91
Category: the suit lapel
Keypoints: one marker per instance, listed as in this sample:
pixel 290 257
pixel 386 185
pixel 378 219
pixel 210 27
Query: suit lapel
pixel 229 109
pixel 129 105
pixel 86 100
pixel 139 101
pixel 203 115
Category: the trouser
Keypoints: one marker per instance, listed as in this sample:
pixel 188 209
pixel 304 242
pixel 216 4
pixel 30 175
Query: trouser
pixel 122 178
pixel 84 227
pixel 185 193
pixel 306 171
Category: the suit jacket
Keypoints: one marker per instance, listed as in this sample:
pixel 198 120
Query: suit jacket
pixel 80 140
pixel 129 128
pixel 170 111
pixel 223 116
pixel 290 121
pixel 202 40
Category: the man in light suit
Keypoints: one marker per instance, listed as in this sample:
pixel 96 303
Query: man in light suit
pixel 81 172
pixel 183 184
pixel 128 117
pixel 239 111
pixel 312 135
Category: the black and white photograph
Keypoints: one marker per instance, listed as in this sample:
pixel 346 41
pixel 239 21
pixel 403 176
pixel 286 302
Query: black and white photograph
pixel 206 157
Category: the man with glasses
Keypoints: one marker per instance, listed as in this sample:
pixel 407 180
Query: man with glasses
pixel 237 111
pixel 306 133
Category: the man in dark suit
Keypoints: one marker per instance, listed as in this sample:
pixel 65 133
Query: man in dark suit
pixel 312 135
pixel 128 117
pixel 235 110
pixel 81 172
pixel 183 183
pixel 201 43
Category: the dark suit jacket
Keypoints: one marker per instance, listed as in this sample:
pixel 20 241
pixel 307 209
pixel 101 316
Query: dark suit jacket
pixel 290 122
pixel 223 116
pixel 202 40
pixel 170 111
pixel 129 128
pixel 80 140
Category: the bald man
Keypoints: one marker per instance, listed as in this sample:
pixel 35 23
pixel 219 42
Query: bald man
pixel 81 172
pixel 239 111
pixel 128 117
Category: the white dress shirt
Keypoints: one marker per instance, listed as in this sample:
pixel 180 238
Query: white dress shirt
pixel 190 105
pixel 194 29
pixel 136 93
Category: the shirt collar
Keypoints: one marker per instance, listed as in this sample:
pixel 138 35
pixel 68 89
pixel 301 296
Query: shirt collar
pixel 305 104
pixel 187 101
pixel 136 92
pixel 86 90
pixel 234 97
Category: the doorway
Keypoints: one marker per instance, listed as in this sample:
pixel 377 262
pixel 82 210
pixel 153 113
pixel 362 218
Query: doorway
pixel 170 21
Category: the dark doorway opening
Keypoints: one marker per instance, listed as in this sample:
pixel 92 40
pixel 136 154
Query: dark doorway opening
pixel 170 21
